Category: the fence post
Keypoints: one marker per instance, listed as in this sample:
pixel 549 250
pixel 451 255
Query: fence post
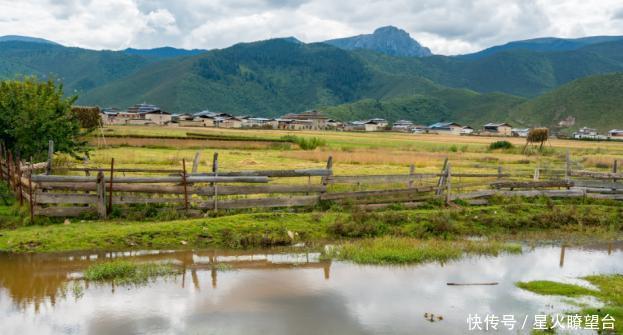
pixel 196 162
pixel 101 195
pixel 411 173
pixel 329 167
pixel 442 178
pixel 537 174
pixel 1 161
pixel 19 182
pixel 9 168
pixel 31 200
pixel 499 172
pixel 112 169
pixel 185 183
pixel 85 161
pixel 567 165
pixel 448 185
pixel 48 168
pixel 215 173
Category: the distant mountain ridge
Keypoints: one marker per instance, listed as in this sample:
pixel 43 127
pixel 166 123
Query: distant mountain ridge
pixel 543 44
pixel 388 40
pixel 18 38
pixel 282 75
pixel 163 52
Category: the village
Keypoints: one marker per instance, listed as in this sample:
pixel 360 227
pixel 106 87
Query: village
pixel 149 114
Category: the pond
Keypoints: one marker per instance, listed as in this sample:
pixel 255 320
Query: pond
pixel 286 292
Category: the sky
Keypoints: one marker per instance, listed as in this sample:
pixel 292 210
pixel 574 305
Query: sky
pixel 445 26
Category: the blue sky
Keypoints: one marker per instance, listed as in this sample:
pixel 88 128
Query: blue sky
pixel 445 26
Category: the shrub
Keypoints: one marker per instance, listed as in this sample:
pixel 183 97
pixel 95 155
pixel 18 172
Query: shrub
pixel 89 117
pixel 304 143
pixel 501 145
pixel 34 112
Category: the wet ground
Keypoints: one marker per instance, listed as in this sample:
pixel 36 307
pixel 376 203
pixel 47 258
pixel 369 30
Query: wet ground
pixel 289 292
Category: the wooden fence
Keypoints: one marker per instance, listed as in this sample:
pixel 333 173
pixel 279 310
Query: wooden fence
pixel 98 190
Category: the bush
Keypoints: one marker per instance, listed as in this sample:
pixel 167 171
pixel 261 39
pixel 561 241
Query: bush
pixel 34 112
pixel 501 145
pixel 89 117
pixel 304 143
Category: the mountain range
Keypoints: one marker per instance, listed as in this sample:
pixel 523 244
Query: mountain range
pixel 385 74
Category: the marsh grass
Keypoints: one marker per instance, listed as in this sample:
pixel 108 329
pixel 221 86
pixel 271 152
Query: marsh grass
pixel 546 287
pixel 609 290
pixel 389 250
pixel 125 272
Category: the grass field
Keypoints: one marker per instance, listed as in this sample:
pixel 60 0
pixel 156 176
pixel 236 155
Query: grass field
pixel 353 153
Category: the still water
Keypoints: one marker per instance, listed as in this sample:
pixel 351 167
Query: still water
pixel 289 292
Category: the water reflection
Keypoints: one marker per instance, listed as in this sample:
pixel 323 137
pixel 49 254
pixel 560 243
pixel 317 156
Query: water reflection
pixel 285 293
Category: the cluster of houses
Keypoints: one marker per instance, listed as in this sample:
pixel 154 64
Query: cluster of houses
pixel 147 114
pixel 586 133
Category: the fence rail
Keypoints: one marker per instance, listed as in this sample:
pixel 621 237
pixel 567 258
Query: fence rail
pixel 63 195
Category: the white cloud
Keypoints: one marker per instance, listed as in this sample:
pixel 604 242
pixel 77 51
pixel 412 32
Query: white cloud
pixel 446 26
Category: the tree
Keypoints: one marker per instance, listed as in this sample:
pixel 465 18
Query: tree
pixel 89 117
pixel 33 112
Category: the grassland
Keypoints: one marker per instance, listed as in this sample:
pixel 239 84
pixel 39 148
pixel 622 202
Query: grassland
pixel 513 219
pixel 609 290
pixel 353 153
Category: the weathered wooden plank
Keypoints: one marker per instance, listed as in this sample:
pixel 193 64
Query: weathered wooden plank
pixel 136 180
pixel 473 195
pixel 548 193
pixel 58 211
pixel 605 196
pixel 596 175
pixel 297 201
pixel 531 184
pixel 599 184
pixel 379 193
pixel 127 170
pixel 271 173
pixel 125 200
pixel 64 198
pixel 198 190
pixel 380 179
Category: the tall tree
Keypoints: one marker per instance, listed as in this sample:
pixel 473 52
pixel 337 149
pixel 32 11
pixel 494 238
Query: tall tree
pixel 32 112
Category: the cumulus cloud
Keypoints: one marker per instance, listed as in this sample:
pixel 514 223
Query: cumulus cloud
pixel 446 26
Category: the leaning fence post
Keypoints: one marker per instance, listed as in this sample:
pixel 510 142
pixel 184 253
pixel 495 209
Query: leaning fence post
pixel 19 182
pixel 185 183
pixel 112 169
pixel 215 173
pixel 48 168
pixel 196 162
pixel 31 200
pixel 329 167
pixel 411 173
pixel 441 180
pixel 448 184
pixel 9 168
pixel 101 195
pixel 567 165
